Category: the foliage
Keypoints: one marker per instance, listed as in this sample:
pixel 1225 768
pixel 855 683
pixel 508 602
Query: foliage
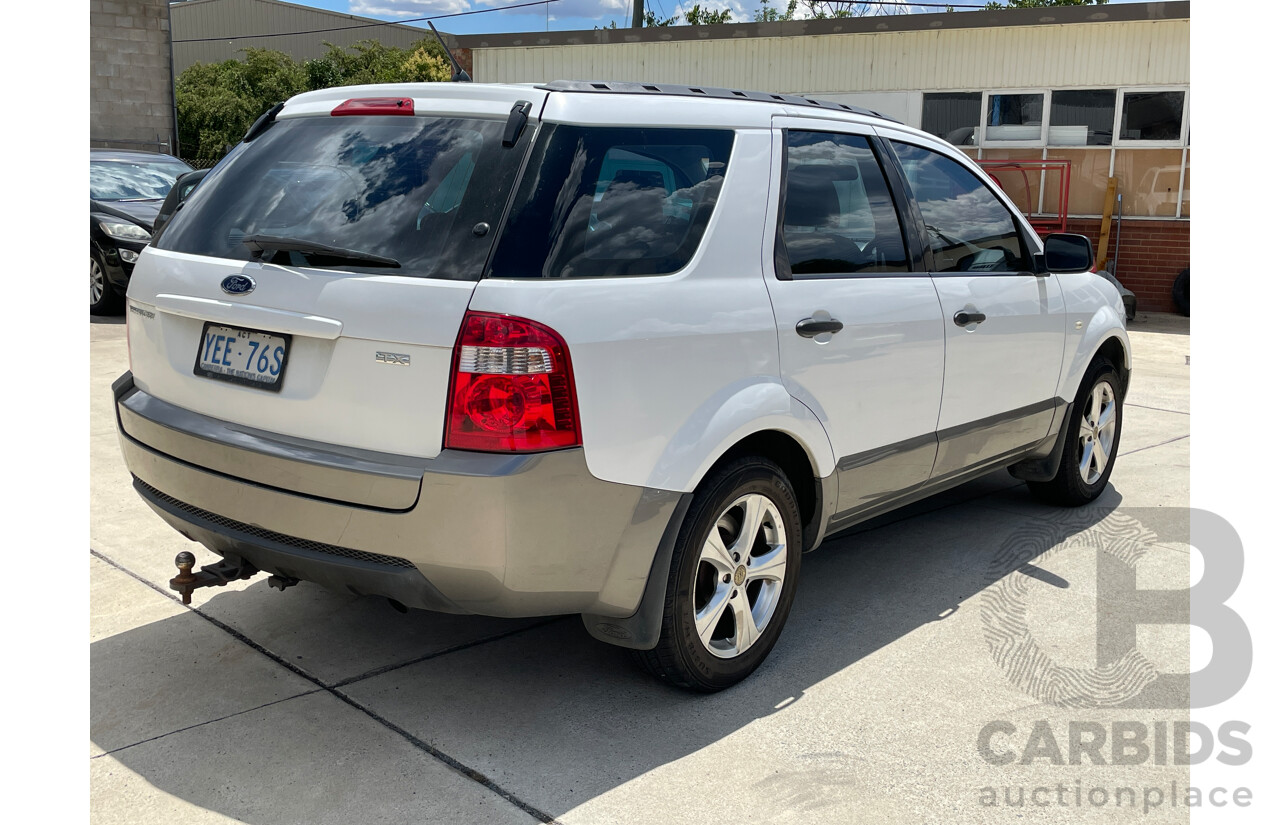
pixel 217 102
pixel 695 16
pixel 1028 4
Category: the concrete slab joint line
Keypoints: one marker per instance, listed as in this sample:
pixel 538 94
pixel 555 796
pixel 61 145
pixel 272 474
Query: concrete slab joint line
pixel 465 770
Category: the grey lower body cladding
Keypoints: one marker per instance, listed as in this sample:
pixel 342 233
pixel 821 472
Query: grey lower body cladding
pixel 500 535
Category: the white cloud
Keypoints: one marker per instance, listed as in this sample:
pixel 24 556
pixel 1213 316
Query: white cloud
pixel 593 9
pixel 407 8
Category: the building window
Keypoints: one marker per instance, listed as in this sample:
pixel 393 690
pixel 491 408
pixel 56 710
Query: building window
pixel 952 116
pixel 1090 169
pixel 1014 116
pixel 1151 116
pixel 1083 117
pixel 1149 180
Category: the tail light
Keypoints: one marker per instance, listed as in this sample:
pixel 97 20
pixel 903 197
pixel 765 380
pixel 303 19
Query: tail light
pixel 512 387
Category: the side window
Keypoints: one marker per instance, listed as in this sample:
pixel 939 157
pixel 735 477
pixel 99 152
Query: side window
pixel 837 214
pixel 601 202
pixel 970 230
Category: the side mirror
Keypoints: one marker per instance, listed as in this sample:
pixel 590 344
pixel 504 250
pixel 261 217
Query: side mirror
pixel 1068 254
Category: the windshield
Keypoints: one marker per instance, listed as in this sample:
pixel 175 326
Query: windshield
pixel 423 191
pixel 133 180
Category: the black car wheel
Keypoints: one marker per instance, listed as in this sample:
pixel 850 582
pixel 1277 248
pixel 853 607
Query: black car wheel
pixel 1093 439
pixel 102 298
pixel 733 578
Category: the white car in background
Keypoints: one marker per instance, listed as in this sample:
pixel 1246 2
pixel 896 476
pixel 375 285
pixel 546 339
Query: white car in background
pixel 616 350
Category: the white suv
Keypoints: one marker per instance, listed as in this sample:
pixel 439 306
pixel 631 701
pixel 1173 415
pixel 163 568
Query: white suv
pixel 610 349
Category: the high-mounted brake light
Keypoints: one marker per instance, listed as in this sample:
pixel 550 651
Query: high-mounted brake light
pixel 512 387
pixel 374 106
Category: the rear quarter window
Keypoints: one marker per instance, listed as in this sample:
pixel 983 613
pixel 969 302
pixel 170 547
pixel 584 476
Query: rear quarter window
pixel 606 202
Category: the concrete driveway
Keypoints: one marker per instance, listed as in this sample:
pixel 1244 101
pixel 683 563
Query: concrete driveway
pixel 906 643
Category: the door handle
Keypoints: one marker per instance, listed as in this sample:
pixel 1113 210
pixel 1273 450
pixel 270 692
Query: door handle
pixel 809 327
pixel 964 319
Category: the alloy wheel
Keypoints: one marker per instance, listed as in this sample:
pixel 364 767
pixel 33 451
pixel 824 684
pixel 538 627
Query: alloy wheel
pixel 97 281
pixel 740 573
pixel 1097 432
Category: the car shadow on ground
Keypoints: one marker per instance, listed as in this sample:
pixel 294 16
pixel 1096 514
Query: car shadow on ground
pixel 546 713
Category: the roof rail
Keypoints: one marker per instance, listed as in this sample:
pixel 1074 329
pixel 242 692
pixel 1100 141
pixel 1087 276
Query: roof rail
pixel 612 87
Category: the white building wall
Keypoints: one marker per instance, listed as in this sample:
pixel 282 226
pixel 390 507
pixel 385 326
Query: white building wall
pixel 1105 54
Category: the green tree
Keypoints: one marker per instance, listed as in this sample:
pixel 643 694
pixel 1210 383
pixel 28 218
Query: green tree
pixel 768 14
pixel 695 16
pixel 1030 4
pixel 217 102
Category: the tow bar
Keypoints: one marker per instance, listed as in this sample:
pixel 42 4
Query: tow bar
pixel 210 575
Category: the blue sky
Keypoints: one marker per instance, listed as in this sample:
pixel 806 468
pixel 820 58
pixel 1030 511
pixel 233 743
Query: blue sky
pixel 561 15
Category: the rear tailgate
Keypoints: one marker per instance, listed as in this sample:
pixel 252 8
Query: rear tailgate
pixel 312 287
pixel 335 387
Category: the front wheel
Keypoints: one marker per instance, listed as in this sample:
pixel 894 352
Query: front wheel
pixel 733 577
pixel 1093 438
pixel 102 300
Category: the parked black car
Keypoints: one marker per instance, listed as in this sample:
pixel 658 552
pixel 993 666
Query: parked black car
pixel 125 192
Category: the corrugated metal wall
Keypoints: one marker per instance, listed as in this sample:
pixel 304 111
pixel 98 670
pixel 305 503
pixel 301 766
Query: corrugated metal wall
pixel 1130 53
pixel 200 19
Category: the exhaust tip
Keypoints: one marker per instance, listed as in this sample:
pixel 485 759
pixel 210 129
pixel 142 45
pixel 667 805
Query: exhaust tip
pixel 397 606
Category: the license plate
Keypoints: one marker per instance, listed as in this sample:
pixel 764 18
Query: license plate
pixel 242 356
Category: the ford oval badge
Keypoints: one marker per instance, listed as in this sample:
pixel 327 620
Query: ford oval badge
pixel 238 284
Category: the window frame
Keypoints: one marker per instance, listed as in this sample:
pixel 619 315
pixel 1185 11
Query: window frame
pixel 983 140
pixel 893 179
pixel 1116 99
pixel 983 146
pixel 1030 247
pixel 1119 143
pixel 977 131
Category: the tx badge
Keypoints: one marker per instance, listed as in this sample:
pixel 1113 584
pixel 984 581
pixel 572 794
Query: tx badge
pixel 399 359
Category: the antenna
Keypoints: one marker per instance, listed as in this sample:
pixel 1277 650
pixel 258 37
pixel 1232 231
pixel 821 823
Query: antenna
pixel 459 76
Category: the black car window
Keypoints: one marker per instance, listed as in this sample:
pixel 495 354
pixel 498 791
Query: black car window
pixel 415 189
pixel 837 214
pixel 122 180
pixel 599 202
pixel 970 230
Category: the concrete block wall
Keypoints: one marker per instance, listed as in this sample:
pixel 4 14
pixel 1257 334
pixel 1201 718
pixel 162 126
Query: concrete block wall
pixel 1152 253
pixel 130 89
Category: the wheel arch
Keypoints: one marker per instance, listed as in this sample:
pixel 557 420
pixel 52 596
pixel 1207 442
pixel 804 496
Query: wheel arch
pixel 1115 351
pixel 800 468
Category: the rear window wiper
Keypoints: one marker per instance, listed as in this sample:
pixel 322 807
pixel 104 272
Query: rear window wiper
pixel 264 248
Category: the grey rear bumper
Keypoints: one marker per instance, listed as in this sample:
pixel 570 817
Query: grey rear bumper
pixel 501 535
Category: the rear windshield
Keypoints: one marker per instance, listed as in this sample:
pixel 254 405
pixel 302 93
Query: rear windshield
pixel 607 201
pixel 423 191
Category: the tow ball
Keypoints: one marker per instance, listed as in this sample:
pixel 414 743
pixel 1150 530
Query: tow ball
pixel 210 575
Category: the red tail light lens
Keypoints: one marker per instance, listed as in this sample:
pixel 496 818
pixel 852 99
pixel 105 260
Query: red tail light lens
pixel 374 106
pixel 512 388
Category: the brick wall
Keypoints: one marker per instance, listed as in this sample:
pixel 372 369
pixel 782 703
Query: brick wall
pixel 1152 253
pixel 130 94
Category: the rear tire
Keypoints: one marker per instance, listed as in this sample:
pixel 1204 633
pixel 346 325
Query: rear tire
pixel 734 572
pixel 1093 439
